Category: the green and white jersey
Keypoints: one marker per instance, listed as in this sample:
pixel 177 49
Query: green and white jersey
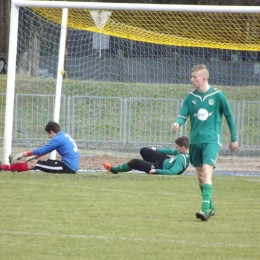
pixel 206 111
pixel 175 165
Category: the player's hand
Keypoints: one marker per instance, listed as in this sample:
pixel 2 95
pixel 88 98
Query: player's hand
pixel 18 157
pixel 31 158
pixel 152 171
pixel 233 146
pixel 175 127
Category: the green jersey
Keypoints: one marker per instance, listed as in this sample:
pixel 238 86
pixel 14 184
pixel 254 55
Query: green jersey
pixel 206 111
pixel 175 165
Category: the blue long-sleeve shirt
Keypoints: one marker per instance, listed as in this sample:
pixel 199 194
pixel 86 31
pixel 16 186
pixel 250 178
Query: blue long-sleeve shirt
pixel 65 146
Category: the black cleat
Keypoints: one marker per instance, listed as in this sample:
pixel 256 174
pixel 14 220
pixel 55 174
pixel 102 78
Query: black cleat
pixel 10 158
pixel 203 216
pixel 212 212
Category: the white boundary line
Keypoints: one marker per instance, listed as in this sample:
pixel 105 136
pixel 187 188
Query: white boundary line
pixel 253 180
pixel 105 237
pixel 101 189
pixel 166 193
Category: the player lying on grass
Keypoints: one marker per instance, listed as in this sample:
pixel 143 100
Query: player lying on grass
pixel 158 161
pixel 61 142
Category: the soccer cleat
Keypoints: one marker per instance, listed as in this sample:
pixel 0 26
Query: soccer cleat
pixel 10 158
pixel 212 212
pixel 107 166
pixel 203 216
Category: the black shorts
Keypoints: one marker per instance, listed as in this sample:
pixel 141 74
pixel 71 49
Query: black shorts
pixel 53 166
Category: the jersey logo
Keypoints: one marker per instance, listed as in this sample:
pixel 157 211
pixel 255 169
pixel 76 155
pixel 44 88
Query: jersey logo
pixel 211 102
pixel 203 114
pixel 194 102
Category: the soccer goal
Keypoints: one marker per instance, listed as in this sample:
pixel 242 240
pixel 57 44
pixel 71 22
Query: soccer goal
pixel 114 75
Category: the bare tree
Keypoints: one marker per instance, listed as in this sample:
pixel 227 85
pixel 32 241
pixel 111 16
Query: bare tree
pixel 5 6
pixel 29 42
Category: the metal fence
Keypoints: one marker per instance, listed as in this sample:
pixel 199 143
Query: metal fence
pixel 121 121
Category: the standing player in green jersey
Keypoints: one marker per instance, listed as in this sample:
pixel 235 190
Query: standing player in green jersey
pixel 205 106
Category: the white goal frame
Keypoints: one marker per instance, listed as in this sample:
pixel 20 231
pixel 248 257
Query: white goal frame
pixel 7 144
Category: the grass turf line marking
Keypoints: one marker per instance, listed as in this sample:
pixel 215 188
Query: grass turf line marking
pixel 102 189
pixel 123 191
pixel 253 180
pixel 104 237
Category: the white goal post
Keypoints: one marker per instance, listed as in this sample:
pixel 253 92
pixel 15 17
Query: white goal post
pixel 140 7
pixel 65 6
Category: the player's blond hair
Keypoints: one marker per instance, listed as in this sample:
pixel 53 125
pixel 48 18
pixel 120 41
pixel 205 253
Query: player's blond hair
pixel 202 69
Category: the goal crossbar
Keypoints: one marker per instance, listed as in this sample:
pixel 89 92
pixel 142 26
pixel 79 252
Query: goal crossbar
pixel 139 7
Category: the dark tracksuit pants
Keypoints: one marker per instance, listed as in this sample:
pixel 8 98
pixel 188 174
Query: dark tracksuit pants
pixel 151 160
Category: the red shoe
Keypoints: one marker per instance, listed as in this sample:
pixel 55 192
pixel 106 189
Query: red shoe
pixel 107 166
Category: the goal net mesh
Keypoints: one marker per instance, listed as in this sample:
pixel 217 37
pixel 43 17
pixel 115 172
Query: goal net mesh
pixel 126 74
pixel 212 30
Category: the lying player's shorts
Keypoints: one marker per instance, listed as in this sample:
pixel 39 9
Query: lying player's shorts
pixel 203 154
pixel 53 166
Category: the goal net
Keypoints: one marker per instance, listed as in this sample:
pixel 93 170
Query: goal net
pixel 126 73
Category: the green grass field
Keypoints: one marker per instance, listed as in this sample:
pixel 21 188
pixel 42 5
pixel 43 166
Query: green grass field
pixel 33 85
pixel 126 216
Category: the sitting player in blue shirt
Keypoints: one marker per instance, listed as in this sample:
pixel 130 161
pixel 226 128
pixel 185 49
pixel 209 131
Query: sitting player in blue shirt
pixel 61 142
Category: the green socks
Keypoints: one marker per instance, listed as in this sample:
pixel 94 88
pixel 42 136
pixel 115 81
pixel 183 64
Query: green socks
pixel 211 205
pixel 207 203
pixel 121 168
